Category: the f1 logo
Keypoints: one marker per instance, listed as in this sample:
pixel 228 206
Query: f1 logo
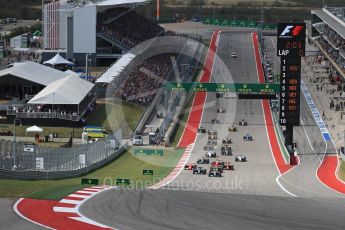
pixel 286 30
pixel 295 32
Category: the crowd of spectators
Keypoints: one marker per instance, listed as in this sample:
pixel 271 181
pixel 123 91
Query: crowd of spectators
pixel 144 80
pixel 130 28
pixel 63 110
pixel 333 44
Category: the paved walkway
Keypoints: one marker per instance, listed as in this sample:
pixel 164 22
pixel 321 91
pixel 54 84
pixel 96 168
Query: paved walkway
pixel 322 93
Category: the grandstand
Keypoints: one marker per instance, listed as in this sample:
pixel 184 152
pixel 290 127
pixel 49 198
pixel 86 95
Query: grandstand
pixel 113 27
pixel 328 33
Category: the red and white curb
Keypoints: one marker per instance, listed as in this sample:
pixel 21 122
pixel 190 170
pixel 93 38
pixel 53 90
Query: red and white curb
pixel 63 212
pixel 76 199
pixel 177 170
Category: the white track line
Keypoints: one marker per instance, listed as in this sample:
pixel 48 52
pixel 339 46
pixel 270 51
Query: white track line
pixel 311 146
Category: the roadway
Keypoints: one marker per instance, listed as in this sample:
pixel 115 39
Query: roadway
pixel 257 176
pixel 247 198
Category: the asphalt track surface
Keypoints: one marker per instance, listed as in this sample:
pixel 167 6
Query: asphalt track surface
pixel 257 176
pixel 163 209
pixel 247 198
pixel 10 220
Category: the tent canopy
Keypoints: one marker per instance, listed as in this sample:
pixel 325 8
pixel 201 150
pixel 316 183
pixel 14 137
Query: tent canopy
pixel 34 129
pixel 70 90
pixel 58 60
pixel 115 70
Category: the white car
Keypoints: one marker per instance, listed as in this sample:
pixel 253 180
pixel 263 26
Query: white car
pixel 234 55
pixel 137 140
pixel 240 158
pixel 210 154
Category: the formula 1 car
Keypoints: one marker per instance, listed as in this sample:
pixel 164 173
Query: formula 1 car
pixel 214 172
pixel 199 170
pixel 210 154
pixel 221 110
pixel 190 166
pixel 209 147
pixel 226 151
pixel 218 164
pixel 212 132
pixel 203 160
pixel 212 137
pixel 228 166
pixel 215 121
pixel 232 128
pixel 243 122
pixel 227 141
pixel 201 130
pixel 248 138
pixel 240 158
pixel 212 142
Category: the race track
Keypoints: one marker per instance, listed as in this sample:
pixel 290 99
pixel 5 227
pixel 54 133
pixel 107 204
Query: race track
pixel 248 197
pixel 163 210
pixel 257 176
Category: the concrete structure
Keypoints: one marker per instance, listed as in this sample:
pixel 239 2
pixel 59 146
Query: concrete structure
pixel 70 27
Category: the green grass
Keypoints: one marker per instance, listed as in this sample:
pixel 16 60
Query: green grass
pixel 126 166
pixel 112 114
pixel 341 172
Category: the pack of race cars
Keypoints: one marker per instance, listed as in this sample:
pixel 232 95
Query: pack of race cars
pixel 211 156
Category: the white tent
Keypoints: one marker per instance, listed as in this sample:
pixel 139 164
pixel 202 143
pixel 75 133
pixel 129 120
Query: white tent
pixel 70 90
pixel 58 60
pixel 34 129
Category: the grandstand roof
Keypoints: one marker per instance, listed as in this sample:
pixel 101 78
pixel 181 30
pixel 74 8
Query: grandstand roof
pixel 121 2
pixel 114 71
pixel 331 20
pixel 70 90
pixel 34 72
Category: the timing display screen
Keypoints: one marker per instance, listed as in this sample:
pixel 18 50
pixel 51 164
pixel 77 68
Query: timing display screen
pixel 291 40
pixel 290 81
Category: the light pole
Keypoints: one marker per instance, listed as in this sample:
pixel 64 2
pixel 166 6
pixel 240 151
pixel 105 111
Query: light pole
pixel 14 137
pixel 87 59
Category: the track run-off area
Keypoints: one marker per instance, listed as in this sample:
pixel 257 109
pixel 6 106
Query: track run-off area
pixel 263 193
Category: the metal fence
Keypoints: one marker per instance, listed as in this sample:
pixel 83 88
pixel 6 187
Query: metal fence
pixel 23 157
